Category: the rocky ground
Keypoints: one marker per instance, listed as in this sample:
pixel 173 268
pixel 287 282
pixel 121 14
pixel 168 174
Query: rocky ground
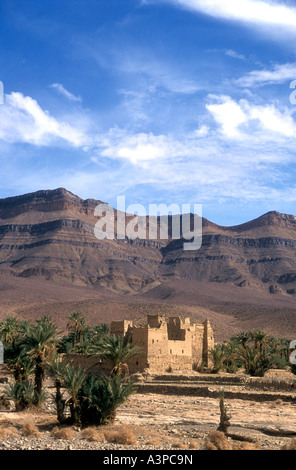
pixel 151 421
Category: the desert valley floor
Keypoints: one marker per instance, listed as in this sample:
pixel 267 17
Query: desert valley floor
pixel 263 416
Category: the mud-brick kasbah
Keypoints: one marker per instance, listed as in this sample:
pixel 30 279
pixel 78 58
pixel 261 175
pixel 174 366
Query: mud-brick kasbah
pixel 175 344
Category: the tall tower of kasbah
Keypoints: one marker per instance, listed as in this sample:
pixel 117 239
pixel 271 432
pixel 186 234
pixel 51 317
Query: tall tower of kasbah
pixel 209 342
pixel 177 344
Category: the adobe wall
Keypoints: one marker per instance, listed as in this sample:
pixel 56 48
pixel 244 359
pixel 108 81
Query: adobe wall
pixel 198 353
pixel 208 342
pixel 88 362
pixel 172 362
pixel 176 344
pixel 139 336
pixel 120 327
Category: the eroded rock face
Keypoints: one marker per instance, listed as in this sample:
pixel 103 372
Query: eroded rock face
pixel 50 234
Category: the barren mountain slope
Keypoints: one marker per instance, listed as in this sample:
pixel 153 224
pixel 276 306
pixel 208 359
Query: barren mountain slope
pixel 51 262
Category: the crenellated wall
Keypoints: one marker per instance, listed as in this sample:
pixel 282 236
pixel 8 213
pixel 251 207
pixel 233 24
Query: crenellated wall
pixel 164 345
pixel 172 344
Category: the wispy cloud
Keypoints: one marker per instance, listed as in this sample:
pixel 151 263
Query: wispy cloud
pixel 234 54
pixel 63 91
pixel 246 11
pixel 233 153
pixel 278 74
pixel 23 120
pixel 135 61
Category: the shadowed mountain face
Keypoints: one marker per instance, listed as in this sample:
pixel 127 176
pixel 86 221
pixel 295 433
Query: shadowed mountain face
pixel 47 238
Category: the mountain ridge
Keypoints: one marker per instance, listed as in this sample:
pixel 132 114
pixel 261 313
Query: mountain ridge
pixel 47 239
pixel 7 203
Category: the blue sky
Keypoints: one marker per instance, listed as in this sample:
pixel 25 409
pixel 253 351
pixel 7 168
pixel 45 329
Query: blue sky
pixel 162 101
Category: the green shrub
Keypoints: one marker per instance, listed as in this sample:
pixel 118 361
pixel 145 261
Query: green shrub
pixel 100 396
pixel 255 362
pixel 22 394
pixel 217 356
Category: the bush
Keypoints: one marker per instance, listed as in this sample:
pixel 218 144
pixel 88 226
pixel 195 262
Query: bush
pixel 279 362
pixel 123 436
pixel 8 431
pixel 255 362
pixel 100 396
pixel 62 433
pixel 217 356
pixel 216 440
pixel 30 430
pixel 92 434
pixel 22 394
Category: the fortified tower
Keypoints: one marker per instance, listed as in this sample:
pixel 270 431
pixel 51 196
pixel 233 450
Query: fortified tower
pixel 176 344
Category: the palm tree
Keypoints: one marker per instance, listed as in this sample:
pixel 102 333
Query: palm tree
pixel 255 362
pixel 40 341
pixel 100 396
pixel 102 329
pixel 9 331
pixel 56 368
pixel 241 338
pixel 231 361
pixel 73 379
pixel 20 363
pixel 76 325
pixel 283 347
pixel 21 393
pixel 260 339
pixel 217 355
pixel 99 333
pixel 118 350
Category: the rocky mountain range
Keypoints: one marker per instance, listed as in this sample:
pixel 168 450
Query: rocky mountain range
pixel 51 262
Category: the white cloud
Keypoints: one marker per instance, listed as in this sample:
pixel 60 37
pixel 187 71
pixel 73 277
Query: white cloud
pixel 63 91
pixel 248 121
pixel 23 120
pixel 199 133
pixel 234 54
pixel 247 11
pixel 272 119
pixel 238 161
pixel 139 148
pixel 229 115
pixel 279 74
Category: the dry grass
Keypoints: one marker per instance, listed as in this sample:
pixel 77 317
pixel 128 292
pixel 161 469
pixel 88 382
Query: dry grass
pixel 194 445
pixel 154 441
pixel 216 440
pixel 123 435
pixel 246 446
pixel 178 445
pixel 93 435
pixel 8 431
pixel 62 433
pixel 30 430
